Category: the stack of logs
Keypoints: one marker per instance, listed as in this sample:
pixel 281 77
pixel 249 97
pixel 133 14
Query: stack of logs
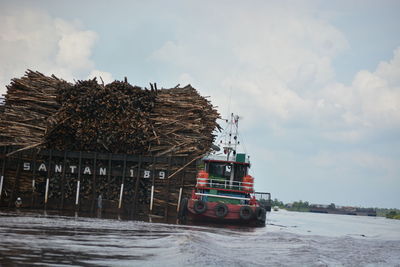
pixel 29 101
pixel 47 112
pixel 111 118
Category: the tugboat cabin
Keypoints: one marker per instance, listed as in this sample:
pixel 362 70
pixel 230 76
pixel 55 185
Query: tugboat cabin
pixel 225 180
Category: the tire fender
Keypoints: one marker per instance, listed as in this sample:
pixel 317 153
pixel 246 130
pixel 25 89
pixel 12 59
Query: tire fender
pixel 261 214
pixel 200 206
pixel 221 210
pixel 246 213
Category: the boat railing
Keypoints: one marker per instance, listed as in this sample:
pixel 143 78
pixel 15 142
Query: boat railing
pixel 222 196
pixel 264 200
pixel 231 158
pixel 224 184
pixel 264 196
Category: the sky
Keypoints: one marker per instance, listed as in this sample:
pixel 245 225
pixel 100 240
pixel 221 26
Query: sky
pixel 315 83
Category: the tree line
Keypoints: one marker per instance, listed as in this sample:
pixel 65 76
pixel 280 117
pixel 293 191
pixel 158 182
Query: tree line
pixel 305 206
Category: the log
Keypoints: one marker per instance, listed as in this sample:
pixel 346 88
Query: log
pixel 119 118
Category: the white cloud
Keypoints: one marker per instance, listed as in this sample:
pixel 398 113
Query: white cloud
pixel 30 38
pixel 74 46
pixel 277 61
pixel 273 56
pixel 371 102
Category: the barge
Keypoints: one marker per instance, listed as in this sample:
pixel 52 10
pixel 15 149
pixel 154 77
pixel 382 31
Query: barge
pixel 133 186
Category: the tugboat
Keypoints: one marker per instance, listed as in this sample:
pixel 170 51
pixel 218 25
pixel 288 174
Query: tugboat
pixel 224 191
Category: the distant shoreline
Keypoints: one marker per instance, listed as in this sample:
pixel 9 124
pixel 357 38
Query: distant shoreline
pixel 304 206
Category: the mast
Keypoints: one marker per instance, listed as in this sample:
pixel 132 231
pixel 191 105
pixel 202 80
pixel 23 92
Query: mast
pixel 231 143
pixel 231 138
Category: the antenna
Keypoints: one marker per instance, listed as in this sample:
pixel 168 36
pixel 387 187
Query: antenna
pixel 231 137
pixel 229 102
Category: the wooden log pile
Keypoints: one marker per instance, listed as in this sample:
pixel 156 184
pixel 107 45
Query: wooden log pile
pixel 183 122
pixel 41 111
pixel 93 117
pixel 29 101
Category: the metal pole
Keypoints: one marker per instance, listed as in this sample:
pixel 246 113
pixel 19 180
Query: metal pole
pixel 1 185
pixel 179 199
pixel 47 191
pixel 34 172
pixel 77 192
pixel 122 184
pixel 79 179
pixel 120 196
pixel 152 187
pixel 151 198
pixel 2 173
pixel 181 188
pixel 46 195
pixel 33 199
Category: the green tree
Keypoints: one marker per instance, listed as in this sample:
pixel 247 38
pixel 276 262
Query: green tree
pixel 300 206
pixel 278 203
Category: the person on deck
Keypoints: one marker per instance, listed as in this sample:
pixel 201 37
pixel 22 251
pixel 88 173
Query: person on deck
pixel 18 202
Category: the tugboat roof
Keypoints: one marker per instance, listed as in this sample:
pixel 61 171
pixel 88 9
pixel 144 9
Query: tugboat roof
pixel 224 159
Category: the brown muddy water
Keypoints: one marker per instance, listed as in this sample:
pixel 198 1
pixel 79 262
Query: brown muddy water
pixel 289 239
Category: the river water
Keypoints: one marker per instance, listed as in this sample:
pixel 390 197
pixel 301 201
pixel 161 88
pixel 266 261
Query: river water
pixel 289 239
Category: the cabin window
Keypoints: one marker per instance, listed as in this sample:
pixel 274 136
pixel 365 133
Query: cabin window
pixel 240 172
pixel 220 170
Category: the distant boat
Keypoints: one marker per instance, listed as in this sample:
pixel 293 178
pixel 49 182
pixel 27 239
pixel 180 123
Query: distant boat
pixel 343 210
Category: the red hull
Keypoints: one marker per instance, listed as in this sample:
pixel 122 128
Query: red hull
pixel 232 217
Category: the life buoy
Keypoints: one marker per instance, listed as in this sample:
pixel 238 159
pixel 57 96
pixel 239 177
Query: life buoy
pixel 221 210
pixel 248 183
pixel 261 214
pixel 202 179
pixel 183 209
pixel 200 206
pixel 245 213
